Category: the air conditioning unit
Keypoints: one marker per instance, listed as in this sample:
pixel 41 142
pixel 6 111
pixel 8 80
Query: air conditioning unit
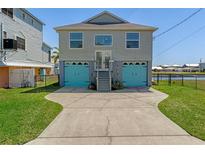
pixel 10 44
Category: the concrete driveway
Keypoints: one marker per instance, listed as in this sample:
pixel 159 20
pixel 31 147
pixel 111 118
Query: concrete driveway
pixel 128 116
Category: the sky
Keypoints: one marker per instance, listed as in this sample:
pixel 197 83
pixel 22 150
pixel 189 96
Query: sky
pixel 191 50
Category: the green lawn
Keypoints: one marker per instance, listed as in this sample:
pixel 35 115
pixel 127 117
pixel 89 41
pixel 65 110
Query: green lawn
pixel 25 113
pixel 186 107
pixel 200 84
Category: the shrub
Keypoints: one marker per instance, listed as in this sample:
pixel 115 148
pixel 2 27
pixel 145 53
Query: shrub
pixel 117 85
pixel 92 86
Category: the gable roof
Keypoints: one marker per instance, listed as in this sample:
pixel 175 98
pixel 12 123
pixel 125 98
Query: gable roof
pixel 111 18
pixel 105 21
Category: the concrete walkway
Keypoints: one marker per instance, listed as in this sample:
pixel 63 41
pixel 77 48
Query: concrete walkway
pixel 128 116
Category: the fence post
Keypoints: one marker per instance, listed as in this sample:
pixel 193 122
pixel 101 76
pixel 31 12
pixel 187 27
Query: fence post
pixel 196 81
pixel 170 79
pixel 45 80
pixel 157 78
pixel 182 80
pixel 35 81
pixel 58 79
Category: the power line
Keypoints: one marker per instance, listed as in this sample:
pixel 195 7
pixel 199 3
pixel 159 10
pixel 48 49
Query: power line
pixel 176 25
pixel 182 40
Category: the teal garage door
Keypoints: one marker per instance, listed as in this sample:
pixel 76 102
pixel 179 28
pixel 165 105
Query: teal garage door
pixel 76 75
pixel 134 74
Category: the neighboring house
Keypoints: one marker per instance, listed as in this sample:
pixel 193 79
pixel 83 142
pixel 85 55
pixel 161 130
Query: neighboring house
pixel 157 69
pixel 46 59
pixel 177 68
pixel 202 66
pixel 191 68
pixel 171 68
pixel 22 51
pixel 105 49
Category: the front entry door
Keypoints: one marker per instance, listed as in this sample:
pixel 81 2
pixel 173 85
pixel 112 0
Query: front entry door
pixel 102 59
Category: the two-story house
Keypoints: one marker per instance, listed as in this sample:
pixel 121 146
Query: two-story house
pixel 103 50
pixel 22 51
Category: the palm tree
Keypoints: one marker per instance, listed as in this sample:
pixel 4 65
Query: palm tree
pixel 55 55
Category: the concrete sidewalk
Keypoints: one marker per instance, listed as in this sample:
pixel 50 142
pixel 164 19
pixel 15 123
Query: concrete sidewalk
pixel 128 116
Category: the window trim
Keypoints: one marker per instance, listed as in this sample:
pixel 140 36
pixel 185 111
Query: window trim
pixel 96 34
pixel 138 40
pixel 70 40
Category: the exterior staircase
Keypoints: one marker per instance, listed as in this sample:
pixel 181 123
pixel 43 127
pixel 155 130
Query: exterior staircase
pixel 104 81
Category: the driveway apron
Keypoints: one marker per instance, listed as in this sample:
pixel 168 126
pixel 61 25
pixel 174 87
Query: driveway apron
pixel 128 116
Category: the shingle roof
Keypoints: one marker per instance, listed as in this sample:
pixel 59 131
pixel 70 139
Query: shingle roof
pixel 120 26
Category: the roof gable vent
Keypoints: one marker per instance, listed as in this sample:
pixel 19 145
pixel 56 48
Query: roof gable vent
pixel 105 18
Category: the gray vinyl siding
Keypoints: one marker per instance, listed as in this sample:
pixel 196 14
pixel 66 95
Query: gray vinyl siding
pixel 119 51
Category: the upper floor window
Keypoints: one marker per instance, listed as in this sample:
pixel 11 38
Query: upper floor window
pixel 4 34
pixel 76 40
pixel 103 40
pixel 8 11
pixel 20 43
pixel 132 40
pixel 23 16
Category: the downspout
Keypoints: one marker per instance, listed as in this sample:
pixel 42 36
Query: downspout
pixel 1 34
pixel 1 42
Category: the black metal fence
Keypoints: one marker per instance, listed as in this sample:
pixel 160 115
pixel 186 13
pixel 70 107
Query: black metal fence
pixel 45 80
pixel 196 81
